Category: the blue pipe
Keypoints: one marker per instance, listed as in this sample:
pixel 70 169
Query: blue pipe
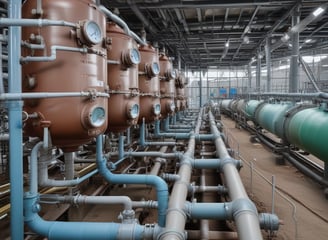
pixel 178 130
pixel 199 137
pixel 57 230
pixel 15 124
pixel 215 163
pixel 218 211
pixel 143 142
pixel 155 181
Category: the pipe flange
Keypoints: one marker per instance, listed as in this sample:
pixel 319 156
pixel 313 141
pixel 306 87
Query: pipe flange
pixel 243 205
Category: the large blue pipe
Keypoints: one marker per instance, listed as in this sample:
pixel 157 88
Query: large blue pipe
pixel 155 181
pixel 15 124
pixel 57 230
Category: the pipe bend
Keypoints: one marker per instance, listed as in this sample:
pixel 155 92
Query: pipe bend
pixel 243 206
pixel 229 160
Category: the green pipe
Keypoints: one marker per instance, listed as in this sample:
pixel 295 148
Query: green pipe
pixel 308 129
pixel 250 108
pixel 272 116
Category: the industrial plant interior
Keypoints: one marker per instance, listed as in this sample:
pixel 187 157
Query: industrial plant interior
pixel 164 119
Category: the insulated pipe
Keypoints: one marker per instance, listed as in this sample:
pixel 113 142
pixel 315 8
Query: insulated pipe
pixel 15 109
pixel 197 136
pixel 155 181
pixel 43 172
pixel 176 218
pixel 18 96
pixel 246 217
pixel 11 21
pixel 143 142
pixel 4 137
pixel 82 199
pixel 321 95
pixel 58 230
pixel 123 24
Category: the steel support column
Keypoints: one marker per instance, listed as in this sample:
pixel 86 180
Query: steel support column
pixel 258 72
pixel 294 70
pixel 268 62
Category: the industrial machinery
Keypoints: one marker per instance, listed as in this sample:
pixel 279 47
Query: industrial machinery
pixel 71 176
pixel 300 125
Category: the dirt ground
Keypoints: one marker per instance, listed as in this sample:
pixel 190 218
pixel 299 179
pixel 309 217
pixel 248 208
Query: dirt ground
pixel 299 202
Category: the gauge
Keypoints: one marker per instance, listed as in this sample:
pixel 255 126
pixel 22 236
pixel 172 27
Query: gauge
pixel 153 69
pixel 157 109
pixel 97 116
pixel 92 32
pixel 135 56
pixel 133 110
pixel 131 57
pixel 170 74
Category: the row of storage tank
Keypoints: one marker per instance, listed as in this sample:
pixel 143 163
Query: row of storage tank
pixel 302 124
pixel 99 59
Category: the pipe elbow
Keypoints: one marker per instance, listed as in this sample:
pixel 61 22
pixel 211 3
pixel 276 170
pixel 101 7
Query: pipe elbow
pixel 243 206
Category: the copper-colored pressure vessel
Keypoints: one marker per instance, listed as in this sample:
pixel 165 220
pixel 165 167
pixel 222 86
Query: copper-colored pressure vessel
pixel 74 61
pixel 179 91
pixel 150 106
pixel 167 88
pixel 123 60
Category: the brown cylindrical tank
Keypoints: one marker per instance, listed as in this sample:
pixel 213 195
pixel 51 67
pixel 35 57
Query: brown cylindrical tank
pixel 167 86
pixel 179 90
pixel 72 121
pixel 150 105
pixel 123 60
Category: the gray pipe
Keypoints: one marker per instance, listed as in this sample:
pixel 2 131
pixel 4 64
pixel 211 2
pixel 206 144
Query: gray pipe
pixel 6 22
pixel 246 218
pixel 123 24
pixel 176 218
pixel 19 96
pixel 53 55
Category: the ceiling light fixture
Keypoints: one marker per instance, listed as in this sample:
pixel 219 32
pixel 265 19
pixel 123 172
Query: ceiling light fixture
pixel 318 11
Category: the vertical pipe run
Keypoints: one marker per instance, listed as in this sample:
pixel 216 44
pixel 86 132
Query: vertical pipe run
pixel 249 86
pixel 176 218
pixel 268 62
pixel 294 70
pixel 15 124
pixel 246 217
pixel 200 88
pixel 258 72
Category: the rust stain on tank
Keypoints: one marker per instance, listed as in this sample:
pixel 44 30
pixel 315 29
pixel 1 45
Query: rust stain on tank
pixel 74 120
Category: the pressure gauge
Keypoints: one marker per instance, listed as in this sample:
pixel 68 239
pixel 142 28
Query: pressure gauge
pixel 133 110
pixel 135 56
pixel 92 32
pixel 97 116
pixel 157 109
pixel 153 69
